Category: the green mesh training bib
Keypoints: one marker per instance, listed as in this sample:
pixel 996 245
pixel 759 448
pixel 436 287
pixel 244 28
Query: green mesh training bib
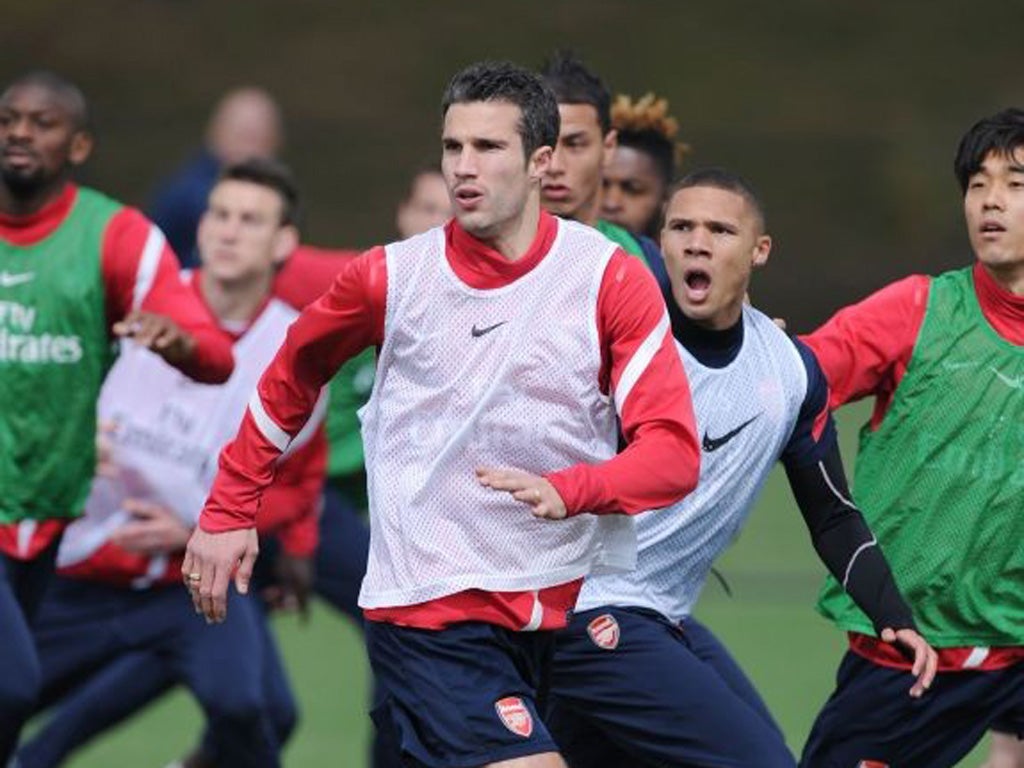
pixel 941 481
pixel 54 353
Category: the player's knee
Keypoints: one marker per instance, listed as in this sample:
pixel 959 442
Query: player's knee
pixel 235 707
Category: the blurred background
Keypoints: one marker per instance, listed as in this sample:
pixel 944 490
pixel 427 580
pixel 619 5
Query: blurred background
pixel 845 116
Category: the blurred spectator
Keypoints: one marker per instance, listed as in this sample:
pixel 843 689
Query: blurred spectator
pixel 246 123
pixel 425 205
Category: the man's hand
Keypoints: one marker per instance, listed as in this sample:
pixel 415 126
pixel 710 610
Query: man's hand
pixel 926 661
pixel 157 333
pixel 530 489
pixel 210 561
pixel 293 581
pixel 153 529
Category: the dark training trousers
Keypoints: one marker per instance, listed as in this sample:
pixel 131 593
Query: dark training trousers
pixel 629 687
pixel 22 584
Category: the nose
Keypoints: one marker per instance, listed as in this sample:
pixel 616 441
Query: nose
pixel 18 129
pixel 557 165
pixel 465 163
pixel 611 199
pixel 993 199
pixel 698 242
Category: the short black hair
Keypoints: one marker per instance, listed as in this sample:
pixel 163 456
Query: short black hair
pixel 1002 133
pixel 505 81
pixel 573 83
pixel 719 178
pixel 65 90
pixel 268 173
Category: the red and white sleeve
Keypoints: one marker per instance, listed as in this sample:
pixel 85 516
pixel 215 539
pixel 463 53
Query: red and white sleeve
pixel 642 369
pixel 864 349
pixel 140 271
pixel 340 324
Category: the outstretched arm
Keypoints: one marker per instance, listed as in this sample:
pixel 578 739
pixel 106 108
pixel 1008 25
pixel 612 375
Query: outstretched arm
pixel 839 532
pixel 340 324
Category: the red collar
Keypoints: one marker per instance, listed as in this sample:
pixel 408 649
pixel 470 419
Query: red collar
pixel 30 229
pixel 1004 310
pixel 480 266
pixel 196 284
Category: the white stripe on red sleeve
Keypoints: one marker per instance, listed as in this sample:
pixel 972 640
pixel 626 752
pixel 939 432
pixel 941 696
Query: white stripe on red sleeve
pixel 145 272
pixel 273 433
pixel 640 361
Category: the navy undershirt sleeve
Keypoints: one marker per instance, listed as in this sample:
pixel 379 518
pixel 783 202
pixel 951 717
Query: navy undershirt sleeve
pixel 839 533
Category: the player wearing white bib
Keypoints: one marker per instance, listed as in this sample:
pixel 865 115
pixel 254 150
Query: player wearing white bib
pixel 635 681
pixel 510 343
pixel 118 587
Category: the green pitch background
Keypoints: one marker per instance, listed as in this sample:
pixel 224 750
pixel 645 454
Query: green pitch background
pixel 788 650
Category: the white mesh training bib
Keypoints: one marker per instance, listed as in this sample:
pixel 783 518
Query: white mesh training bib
pixel 169 431
pixel 745 415
pixel 485 378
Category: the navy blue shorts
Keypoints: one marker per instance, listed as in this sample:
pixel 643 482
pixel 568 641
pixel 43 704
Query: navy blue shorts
pixel 871 717
pixel 463 696
pixel 629 687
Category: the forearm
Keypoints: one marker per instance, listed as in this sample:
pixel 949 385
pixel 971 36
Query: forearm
pixel 844 542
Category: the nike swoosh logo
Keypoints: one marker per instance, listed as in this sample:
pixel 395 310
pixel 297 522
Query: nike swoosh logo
pixel 7 280
pixel 1012 383
pixel 714 443
pixel 952 365
pixel 478 332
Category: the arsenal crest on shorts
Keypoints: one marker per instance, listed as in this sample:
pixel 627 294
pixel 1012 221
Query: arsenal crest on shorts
pixel 604 631
pixel 515 716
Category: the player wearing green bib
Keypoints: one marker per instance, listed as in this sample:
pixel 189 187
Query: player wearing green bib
pixel 77 270
pixel 940 478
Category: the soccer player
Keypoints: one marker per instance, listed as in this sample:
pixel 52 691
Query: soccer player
pixel 119 591
pixel 643 165
pixel 939 477
pixel 77 270
pixel 510 343
pixel 586 143
pixel 635 680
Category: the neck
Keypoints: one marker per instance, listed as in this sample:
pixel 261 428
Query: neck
pixel 29 201
pixel 235 301
pixel 1010 278
pixel 514 243
pixel 714 347
pixel 588 213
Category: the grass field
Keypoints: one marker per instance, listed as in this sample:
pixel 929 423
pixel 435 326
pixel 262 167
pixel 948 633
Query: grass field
pixel 788 650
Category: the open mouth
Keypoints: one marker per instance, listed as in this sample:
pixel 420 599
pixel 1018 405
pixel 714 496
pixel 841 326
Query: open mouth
pixel 698 284
pixel 467 197
pixel 991 227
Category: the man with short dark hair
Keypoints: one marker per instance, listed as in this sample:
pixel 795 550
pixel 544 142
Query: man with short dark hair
pixel 572 186
pixel 511 342
pixel 635 680
pixel 77 271
pixel 939 476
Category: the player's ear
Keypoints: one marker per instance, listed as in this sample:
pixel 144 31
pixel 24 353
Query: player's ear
pixel 538 163
pixel 287 240
pixel 762 248
pixel 81 148
pixel 610 142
